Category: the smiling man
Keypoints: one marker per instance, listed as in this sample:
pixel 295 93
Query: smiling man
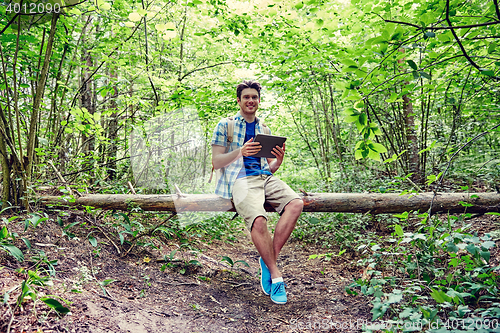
pixel 249 182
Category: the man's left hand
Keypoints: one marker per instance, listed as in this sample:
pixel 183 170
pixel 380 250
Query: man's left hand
pixel 279 153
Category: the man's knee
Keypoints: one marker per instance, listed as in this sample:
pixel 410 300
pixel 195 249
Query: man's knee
pixel 295 206
pixel 259 224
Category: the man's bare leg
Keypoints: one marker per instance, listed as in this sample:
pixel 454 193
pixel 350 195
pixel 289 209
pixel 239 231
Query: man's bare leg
pixel 285 225
pixel 268 248
pixel 264 244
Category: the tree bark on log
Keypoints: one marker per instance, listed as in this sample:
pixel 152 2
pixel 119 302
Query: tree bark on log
pixel 374 203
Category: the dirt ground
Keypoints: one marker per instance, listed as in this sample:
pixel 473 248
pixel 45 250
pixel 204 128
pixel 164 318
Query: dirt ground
pixel 212 297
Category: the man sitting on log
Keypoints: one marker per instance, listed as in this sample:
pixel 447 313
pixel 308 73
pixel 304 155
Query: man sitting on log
pixel 249 182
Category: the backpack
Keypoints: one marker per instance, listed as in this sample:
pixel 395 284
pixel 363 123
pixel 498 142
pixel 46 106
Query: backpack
pixel 229 139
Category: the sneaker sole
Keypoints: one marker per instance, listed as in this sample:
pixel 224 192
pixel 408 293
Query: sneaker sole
pixel 261 285
pixel 278 302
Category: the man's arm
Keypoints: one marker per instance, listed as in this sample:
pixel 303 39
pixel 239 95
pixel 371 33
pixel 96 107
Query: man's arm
pixel 275 163
pixel 222 159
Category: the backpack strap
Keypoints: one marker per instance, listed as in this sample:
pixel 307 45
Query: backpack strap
pixel 266 129
pixel 229 140
pixel 230 131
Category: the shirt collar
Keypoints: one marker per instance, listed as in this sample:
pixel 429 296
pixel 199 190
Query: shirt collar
pixel 240 118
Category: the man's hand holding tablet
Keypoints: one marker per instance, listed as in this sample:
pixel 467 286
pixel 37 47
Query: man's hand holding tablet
pixel 268 144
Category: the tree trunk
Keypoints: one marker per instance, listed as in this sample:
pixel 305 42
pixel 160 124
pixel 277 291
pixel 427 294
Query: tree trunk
pixel 5 172
pixel 375 203
pixel 411 138
pixel 113 132
pixel 86 102
pixel 40 88
pixel 411 135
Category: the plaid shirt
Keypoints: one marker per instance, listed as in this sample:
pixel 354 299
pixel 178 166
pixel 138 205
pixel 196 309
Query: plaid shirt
pixel 230 173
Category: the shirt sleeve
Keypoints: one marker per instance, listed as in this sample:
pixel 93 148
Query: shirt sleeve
pixel 219 137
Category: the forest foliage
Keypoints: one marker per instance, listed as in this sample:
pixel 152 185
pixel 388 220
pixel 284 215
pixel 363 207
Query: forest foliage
pixel 405 83
pixel 373 95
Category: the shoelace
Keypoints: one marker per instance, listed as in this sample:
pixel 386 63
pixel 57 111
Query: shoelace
pixel 279 288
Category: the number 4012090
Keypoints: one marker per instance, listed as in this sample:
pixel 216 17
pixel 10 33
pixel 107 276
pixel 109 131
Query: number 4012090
pixel 33 8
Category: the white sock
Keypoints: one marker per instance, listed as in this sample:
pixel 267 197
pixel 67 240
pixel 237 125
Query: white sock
pixel 280 279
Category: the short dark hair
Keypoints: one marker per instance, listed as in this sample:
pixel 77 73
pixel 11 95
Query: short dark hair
pixel 248 84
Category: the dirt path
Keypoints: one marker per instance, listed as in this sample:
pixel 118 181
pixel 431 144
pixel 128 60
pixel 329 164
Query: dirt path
pixel 210 298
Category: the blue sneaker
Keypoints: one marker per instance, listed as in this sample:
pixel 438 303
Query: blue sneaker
pixel 278 293
pixel 265 277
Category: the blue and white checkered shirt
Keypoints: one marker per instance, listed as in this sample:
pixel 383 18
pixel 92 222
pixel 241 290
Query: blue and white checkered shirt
pixel 230 173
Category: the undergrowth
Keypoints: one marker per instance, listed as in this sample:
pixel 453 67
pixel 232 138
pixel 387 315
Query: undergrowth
pixel 437 276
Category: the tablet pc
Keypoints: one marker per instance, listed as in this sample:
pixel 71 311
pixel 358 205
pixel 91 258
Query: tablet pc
pixel 268 142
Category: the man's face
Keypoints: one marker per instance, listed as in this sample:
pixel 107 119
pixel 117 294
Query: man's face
pixel 249 101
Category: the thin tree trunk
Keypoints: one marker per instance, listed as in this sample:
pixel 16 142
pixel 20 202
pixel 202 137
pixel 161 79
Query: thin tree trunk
pixel 86 101
pixel 411 135
pixel 411 138
pixel 40 88
pixel 113 131
pixel 4 160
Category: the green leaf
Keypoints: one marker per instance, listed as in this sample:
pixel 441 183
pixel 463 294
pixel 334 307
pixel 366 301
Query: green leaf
pixel 439 296
pixel 349 63
pixel 373 155
pixel 105 6
pixel 488 244
pixel 172 254
pixel 492 47
pixel 71 225
pixel 430 34
pixel 485 255
pixel 243 262
pixel 351 118
pixel 487 72
pixel 395 297
pixel 425 75
pixel 314 220
pixel 472 249
pixel 392 99
pixel 363 118
pixel 4 233
pixel 451 247
pixel 377 147
pixel 134 17
pixel 93 241
pixel 402 216
pixel 125 217
pixel 412 64
pixel 106 282
pixel 194 262
pixel 379 309
pixel 14 251
pixel 27 242
pixel 398 230
pixel 56 305
pixel 229 260
pixel 358 154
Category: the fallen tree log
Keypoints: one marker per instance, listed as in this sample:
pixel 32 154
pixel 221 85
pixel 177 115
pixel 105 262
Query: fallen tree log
pixel 374 203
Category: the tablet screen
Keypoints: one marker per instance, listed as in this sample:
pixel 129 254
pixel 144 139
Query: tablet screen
pixel 268 142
